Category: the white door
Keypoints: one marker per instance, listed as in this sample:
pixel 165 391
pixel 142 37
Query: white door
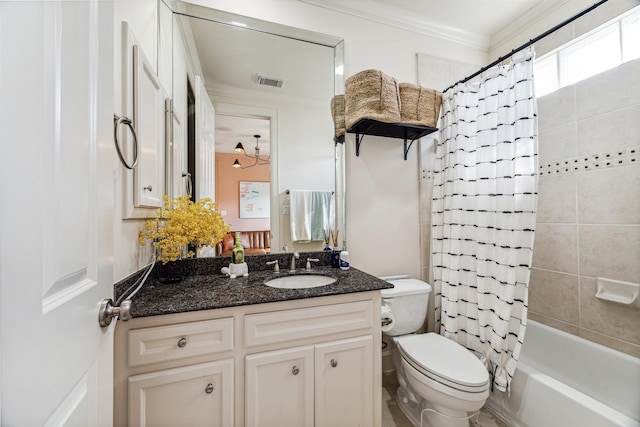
pixel 205 144
pixel 56 212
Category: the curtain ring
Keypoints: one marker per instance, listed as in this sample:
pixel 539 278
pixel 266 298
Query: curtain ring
pixel 117 121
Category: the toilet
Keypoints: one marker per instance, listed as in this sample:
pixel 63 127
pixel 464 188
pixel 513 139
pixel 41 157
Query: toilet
pixel 441 383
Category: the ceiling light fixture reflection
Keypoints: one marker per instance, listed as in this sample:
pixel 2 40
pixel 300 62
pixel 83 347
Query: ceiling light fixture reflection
pixel 258 159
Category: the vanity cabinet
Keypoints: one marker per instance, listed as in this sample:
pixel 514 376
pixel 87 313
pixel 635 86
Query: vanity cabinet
pixel 307 362
pixel 329 384
pixel 194 394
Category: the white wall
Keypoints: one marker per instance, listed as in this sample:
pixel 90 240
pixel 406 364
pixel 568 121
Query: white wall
pixel 382 189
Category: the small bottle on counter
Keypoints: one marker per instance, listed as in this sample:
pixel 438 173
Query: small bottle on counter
pixel 335 258
pixel 344 260
pixel 237 254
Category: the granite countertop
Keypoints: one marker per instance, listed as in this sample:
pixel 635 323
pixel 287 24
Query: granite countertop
pixel 205 287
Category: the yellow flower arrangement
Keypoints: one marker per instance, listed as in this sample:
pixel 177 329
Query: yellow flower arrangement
pixel 182 222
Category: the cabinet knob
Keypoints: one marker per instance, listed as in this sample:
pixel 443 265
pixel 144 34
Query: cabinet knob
pixel 334 363
pixel 182 342
pixel 148 187
pixel 209 388
pixel 295 370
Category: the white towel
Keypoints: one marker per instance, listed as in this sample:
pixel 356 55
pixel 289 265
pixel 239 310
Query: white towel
pixel 300 215
pixel 311 212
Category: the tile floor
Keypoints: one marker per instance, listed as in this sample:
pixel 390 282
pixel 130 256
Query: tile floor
pixel 392 415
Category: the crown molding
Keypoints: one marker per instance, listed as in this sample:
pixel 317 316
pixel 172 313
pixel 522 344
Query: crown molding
pixel 405 22
pixel 525 21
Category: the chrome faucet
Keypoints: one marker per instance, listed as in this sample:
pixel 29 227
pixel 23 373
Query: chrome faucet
pixel 292 267
pixel 309 261
pixel 276 268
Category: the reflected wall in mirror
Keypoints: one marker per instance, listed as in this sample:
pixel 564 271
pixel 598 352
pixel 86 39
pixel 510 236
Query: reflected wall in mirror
pixel 241 165
pixel 262 79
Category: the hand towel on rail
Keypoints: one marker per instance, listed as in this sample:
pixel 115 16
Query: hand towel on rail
pixel 321 209
pixel 300 215
pixel 310 213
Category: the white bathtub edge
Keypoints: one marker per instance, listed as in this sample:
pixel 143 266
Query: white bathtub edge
pixel 536 395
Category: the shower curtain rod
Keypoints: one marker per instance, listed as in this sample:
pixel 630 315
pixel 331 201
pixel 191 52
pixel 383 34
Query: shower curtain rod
pixel 529 43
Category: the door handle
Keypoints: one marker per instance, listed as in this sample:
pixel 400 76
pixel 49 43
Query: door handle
pixel 108 311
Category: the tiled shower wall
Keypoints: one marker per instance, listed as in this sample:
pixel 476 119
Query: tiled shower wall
pixel 588 222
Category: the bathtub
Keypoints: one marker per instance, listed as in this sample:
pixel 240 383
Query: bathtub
pixel 565 381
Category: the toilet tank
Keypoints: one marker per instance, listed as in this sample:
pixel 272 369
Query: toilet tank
pixel 408 302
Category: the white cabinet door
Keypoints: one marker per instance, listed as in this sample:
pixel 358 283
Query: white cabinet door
pixel 56 227
pixel 344 384
pixel 205 144
pixel 279 388
pixel 179 178
pixel 190 396
pixel 149 122
pixel 143 101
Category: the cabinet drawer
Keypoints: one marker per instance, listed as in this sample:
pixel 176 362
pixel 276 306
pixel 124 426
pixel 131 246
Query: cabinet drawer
pixel 165 343
pixel 289 325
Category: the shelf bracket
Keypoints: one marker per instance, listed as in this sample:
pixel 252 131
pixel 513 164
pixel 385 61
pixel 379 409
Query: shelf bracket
pixel 359 138
pixel 406 149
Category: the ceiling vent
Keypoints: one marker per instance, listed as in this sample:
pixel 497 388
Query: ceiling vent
pixel 269 81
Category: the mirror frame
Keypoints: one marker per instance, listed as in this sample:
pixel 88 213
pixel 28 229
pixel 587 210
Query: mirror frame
pixel 191 10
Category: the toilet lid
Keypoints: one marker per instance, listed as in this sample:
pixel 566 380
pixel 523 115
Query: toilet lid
pixel 445 361
pixel 406 286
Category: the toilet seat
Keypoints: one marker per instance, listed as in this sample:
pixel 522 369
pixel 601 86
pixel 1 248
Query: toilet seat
pixel 444 361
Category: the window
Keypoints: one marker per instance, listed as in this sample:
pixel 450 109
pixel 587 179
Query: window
pixel 592 55
pixel 631 36
pixel 546 75
pixel 598 51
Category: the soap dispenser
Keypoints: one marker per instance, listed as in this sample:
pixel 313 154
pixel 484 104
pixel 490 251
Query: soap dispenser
pixel 344 259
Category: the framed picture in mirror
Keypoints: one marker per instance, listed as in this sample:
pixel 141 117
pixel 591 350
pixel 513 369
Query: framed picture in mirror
pixel 255 199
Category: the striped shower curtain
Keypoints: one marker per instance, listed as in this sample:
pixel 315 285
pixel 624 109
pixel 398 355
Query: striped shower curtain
pixel 484 213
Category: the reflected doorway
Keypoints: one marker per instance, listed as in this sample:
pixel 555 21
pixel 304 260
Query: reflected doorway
pixel 243 176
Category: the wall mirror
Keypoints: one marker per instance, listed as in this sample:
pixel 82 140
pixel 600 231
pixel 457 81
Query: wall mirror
pixel 271 87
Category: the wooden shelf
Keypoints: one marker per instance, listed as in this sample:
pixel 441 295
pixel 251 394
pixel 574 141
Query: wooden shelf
pixel 407 132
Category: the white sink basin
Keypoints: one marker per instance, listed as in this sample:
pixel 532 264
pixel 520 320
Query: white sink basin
pixel 302 281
